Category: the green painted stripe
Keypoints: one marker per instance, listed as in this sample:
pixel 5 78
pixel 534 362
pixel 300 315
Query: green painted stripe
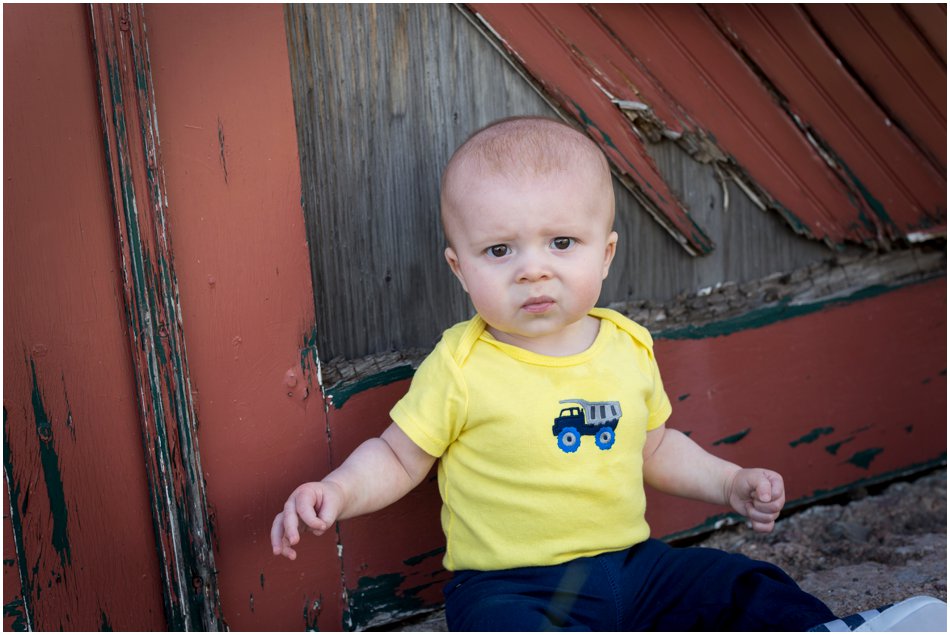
pixel 340 393
pixel 759 318
pixel 767 316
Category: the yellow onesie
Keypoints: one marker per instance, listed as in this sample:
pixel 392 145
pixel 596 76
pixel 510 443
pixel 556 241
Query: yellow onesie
pixel 540 457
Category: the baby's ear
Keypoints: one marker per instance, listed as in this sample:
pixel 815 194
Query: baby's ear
pixel 452 258
pixel 610 252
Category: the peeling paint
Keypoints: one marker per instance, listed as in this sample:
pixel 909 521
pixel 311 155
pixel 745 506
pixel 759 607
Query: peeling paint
pixel 221 148
pixel 812 436
pixel 17 610
pixel 379 599
pixel 864 458
pixel 52 476
pixel 834 447
pixel 411 562
pixel 734 438
pixel 339 394
pixel 310 359
pixel 311 613
pixel 785 309
pixel 153 312
pixel 104 625
pixel 763 81
pixel 21 608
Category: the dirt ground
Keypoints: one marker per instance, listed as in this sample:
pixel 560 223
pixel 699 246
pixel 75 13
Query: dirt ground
pixel 863 550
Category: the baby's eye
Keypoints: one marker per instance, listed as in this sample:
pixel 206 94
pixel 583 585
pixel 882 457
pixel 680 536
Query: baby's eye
pixel 498 251
pixel 562 242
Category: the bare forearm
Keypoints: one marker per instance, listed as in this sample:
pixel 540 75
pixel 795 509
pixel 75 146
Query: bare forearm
pixel 680 467
pixel 378 473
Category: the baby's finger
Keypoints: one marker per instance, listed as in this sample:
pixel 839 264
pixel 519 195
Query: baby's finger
pixel 771 507
pixel 761 516
pixel 308 515
pixel 288 553
pixel 278 540
pixel 290 523
pixel 763 527
pixel 276 534
pixel 778 488
pixel 763 490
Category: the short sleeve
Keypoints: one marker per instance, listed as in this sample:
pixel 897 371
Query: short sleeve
pixel 658 403
pixel 433 411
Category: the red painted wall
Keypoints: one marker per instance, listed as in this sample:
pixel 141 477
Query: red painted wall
pixel 72 443
pixel 829 399
pixel 225 110
pixel 867 378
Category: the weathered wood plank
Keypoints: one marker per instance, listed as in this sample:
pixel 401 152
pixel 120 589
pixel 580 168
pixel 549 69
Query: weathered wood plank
pixel 383 94
pixel 222 90
pixel 169 422
pixel 833 396
pixel 79 551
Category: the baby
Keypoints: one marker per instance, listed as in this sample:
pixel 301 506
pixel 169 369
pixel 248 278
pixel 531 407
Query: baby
pixel 546 416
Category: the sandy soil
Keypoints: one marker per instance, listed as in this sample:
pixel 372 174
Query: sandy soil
pixel 861 551
pixel 866 551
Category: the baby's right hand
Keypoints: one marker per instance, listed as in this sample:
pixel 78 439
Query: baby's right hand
pixel 316 504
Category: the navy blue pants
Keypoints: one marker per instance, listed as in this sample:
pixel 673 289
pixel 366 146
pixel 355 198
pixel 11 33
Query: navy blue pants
pixel 650 587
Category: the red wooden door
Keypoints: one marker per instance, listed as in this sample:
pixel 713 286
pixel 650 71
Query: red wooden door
pixel 128 242
pixel 79 550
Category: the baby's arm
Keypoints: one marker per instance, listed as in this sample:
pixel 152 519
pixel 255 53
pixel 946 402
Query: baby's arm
pixel 379 472
pixel 675 464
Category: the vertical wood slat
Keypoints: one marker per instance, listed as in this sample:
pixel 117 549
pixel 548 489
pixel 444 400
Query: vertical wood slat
pixel 169 423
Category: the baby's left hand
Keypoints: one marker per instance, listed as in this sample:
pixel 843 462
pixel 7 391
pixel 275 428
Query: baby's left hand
pixel 759 495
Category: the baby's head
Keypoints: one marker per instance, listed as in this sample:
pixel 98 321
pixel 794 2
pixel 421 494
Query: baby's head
pixel 526 149
pixel 528 207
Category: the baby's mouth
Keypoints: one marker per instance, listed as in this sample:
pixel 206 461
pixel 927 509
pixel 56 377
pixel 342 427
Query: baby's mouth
pixel 538 304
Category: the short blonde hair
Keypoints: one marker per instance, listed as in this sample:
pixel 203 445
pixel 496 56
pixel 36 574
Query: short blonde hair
pixel 520 147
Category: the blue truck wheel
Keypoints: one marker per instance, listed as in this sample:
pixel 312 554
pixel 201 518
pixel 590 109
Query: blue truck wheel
pixel 605 438
pixel 569 440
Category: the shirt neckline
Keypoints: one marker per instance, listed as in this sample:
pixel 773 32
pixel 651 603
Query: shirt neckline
pixel 530 357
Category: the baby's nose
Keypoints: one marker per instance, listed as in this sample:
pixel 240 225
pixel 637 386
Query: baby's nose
pixel 533 266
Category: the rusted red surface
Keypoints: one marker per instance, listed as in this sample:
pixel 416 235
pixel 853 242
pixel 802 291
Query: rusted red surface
pixel 904 189
pixel 392 560
pixel 229 145
pixel 717 87
pixel 73 459
pixel 829 399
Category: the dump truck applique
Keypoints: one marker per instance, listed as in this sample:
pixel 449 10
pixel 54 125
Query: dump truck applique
pixel 587 418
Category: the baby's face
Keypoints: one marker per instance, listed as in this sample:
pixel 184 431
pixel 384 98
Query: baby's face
pixel 533 253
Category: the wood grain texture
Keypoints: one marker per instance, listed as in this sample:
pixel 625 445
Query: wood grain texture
pixel 223 93
pixel 168 415
pixel 383 95
pixel 78 517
